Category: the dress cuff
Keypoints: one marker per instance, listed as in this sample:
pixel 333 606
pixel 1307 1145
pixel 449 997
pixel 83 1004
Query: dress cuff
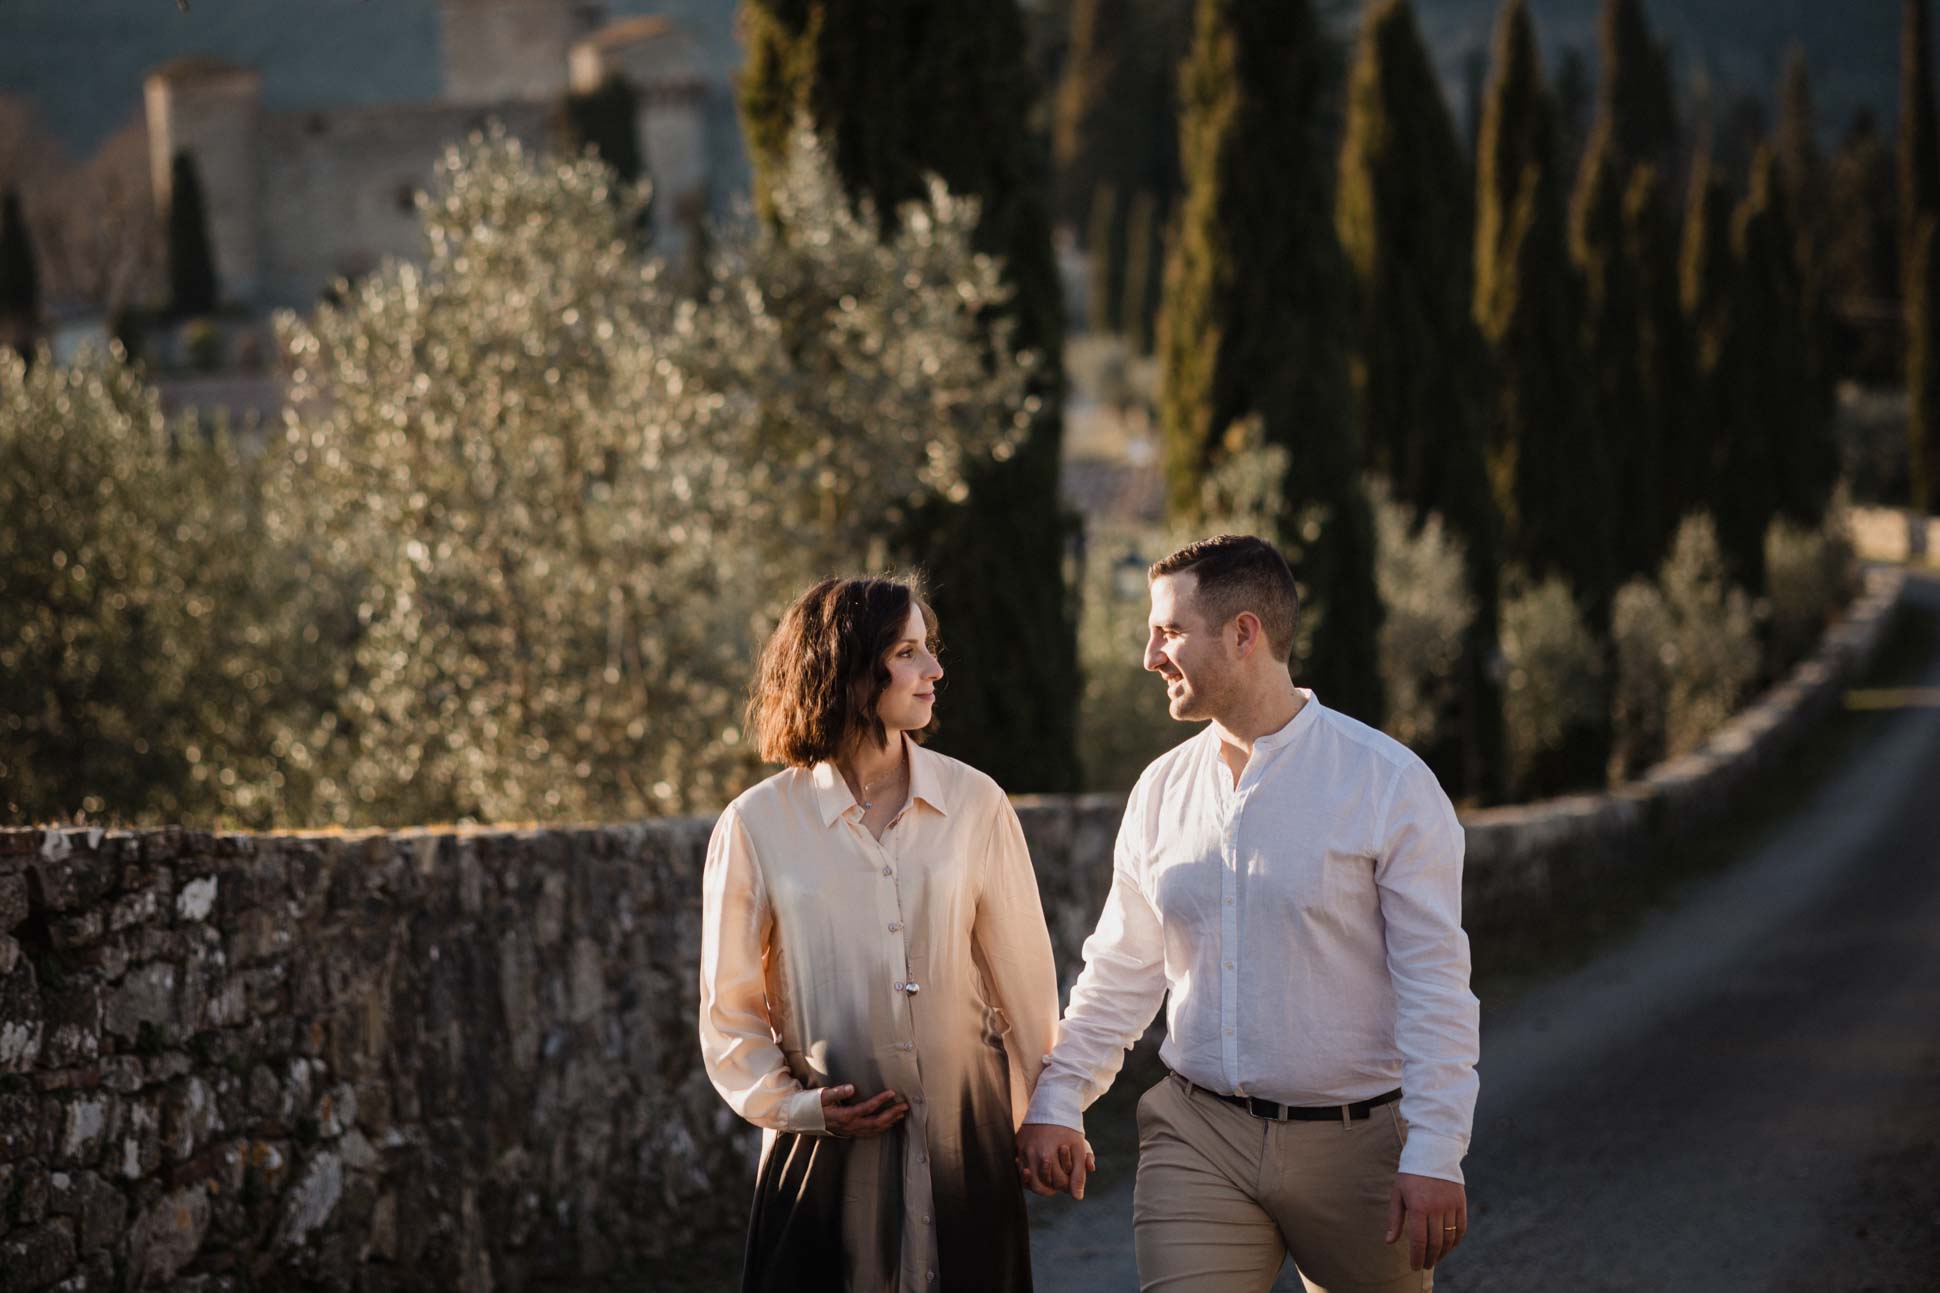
pixel 803 1114
pixel 1058 1103
pixel 1430 1155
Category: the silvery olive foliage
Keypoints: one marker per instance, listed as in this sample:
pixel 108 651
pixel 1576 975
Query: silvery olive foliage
pixel 1122 719
pixel 1686 648
pixel 1426 611
pixel 1555 671
pixel 1810 573
pixel 553 498
pixel 1123 723
pixel 139 674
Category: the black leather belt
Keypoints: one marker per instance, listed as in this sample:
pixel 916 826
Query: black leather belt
pixel 1295 1112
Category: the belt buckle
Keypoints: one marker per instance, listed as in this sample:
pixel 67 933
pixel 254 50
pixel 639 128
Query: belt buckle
pixel 1278 1114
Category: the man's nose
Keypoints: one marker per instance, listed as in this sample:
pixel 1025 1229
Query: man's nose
pixel 1152 654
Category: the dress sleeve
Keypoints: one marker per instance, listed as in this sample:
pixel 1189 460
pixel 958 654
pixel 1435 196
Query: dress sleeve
pixel 1014 948
pixel 737 1035
pixel 1116 996
pixel 1418 869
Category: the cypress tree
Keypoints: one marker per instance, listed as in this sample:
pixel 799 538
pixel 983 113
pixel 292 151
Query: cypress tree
pixel 1923 369
pixel 1255 287
pixel 1663 355
pixel 1631 430
pixel 1801 174
pixel 1861 258
pixel 1104 261
pixel 1546 463
pixel 603 120
pixel 1144 262
pixel 1404 214
pixel 19 279
pixel 939 87
pixel 1573 106
pixel 191 262
pixel 1635 127
pixel 1919 140
pixel 1637 99
pixel 1115 123
pixel 1772 458
pixel 1705 285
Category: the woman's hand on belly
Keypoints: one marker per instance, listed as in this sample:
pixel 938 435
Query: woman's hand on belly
pixel 844 1115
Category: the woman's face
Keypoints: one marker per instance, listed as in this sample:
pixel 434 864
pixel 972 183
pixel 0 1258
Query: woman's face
pixel 909 698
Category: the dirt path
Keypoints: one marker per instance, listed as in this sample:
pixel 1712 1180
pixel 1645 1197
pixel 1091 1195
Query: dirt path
pixel 1742 1097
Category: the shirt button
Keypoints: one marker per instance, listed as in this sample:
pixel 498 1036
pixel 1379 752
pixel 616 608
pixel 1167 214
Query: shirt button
pixel 1229 901
pixel 922 1158
pixel 1229 1032
pixel 919 1099
pixel 931 1277
pixel 905 1046
pixel 926 1218
pixel 1229 965
pixel 895 926
pixel 886 871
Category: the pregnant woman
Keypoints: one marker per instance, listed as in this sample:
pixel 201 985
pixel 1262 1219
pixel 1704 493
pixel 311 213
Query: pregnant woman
pixel 877 991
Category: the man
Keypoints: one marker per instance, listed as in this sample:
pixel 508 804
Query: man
pixel 1292 878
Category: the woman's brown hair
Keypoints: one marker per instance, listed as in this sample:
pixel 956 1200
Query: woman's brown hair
pixel 824 669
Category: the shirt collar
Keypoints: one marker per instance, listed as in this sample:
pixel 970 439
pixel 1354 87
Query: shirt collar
pixel 834 798
pixel 1291 730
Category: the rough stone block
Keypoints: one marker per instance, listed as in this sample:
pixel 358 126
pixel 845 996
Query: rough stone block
pixel 22 1024
pixel 167 1236
pixel 13 899
pixel 35 1258
pixel 73 1025
pixel 86 1123
pixel 27 1202
pixel 146 996
pixel 98 1208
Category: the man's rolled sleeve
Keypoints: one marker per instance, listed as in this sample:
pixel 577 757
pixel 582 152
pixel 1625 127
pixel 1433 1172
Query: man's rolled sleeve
pixel 1115 997
pixel 1418 867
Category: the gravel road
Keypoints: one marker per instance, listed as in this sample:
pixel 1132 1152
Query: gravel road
pixel 1741 1097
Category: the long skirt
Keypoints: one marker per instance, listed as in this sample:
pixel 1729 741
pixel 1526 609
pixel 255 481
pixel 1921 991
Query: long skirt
pixel 829 1213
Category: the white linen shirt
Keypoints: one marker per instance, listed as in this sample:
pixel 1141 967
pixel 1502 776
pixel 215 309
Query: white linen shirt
pixel 1306 923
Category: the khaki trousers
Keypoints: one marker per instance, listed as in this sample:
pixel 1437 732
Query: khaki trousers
pixel 1223 1198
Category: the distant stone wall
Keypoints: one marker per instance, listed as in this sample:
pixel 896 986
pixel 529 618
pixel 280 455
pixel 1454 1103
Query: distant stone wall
pixel 339 186
pixel 466 1060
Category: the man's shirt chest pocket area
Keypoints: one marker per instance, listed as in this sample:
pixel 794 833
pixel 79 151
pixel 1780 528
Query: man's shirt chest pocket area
pixel 1271 866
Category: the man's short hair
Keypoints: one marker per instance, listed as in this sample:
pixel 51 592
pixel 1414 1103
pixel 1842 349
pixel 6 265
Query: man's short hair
pixel 822 673
pixel 1239 572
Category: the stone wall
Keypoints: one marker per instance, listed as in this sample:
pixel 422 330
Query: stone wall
pixel 465 1059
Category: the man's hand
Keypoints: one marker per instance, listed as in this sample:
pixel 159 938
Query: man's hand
pixel 1433 1213
pixel 860 1120
pixel 1052 1158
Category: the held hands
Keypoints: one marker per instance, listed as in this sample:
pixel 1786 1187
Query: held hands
pixel 1051 1158
pixel 844 1116
pixel 1433 1213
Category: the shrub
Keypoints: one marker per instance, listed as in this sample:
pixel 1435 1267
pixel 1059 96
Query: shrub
pixel 1553 688
pixel 1122 721
pixel 554 503
pixel 1426 612
pixel 1809 575
pixel 136 676
pixel 1687 651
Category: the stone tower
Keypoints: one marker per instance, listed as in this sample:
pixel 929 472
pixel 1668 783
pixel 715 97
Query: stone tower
pixel 496 50
pixel 213 111
pixel 664 66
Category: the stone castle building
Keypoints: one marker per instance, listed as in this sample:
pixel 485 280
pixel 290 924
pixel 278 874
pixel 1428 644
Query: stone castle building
pixel 298 198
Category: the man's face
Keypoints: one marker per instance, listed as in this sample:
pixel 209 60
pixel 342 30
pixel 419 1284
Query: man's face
pixel 909 697
pixel 1186 651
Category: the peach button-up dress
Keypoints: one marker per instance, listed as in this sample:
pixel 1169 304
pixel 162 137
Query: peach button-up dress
pixel 918 963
